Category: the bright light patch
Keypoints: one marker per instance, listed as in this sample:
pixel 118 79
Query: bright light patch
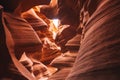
pixel 56 22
